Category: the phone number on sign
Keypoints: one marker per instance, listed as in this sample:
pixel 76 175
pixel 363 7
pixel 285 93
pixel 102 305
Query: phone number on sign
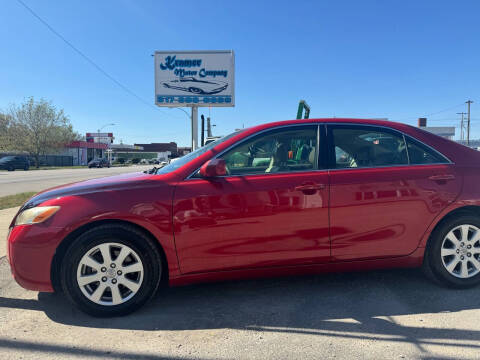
pixel 167 99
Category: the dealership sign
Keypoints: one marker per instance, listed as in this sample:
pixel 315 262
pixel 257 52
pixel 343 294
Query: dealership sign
pixel 194 78
pixel 104 138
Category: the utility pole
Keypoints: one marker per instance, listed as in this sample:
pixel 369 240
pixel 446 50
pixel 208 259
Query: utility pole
pixel 468 121
pixel 202 141
pixel 209 127
pixel 461 124
pixel 195 128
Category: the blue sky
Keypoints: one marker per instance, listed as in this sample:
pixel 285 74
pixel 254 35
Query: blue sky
pixel 396 59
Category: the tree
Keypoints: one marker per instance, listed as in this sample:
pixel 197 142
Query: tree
pixel 5 133
pixel 37 128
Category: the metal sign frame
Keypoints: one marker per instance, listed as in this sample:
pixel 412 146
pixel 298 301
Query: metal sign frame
pixel 191 94
pixel 199 97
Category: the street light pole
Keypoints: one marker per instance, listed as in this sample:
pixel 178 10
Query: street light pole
pixel 468 121
pixel 104 126
pixel 194 128
pixel 109 151
pixel 461 124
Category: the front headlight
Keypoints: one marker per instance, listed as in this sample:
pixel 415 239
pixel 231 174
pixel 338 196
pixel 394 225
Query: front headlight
pixel 36 215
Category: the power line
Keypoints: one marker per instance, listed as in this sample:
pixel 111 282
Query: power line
pixel 85 57
pixel 438 112
pixel 434 113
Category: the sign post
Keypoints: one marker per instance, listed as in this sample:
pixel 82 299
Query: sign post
pixel 194 128
pixel 195 79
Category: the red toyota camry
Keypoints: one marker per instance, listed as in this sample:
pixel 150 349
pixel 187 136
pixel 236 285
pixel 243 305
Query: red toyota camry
pixel 291 197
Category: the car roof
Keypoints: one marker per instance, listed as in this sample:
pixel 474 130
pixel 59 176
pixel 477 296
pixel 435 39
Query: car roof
pixel 452 150
pixel 376 122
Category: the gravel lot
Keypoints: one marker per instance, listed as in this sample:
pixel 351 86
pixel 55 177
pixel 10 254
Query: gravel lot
pixel 378 315
pixel 395 314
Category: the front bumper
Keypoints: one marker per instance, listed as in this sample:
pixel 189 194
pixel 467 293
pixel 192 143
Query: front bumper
pixel 30 251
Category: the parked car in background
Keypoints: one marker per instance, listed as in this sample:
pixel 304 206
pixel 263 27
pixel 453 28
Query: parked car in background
pixel 11 163
pixel 291 197
pixel 99 163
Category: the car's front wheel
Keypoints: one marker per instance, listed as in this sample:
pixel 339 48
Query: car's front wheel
pixel 111 270
pixel 453 253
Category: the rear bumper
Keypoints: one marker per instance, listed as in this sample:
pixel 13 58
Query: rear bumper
pixel 30 250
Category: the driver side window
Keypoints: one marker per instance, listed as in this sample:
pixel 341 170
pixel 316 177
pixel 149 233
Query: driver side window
pixel 283 150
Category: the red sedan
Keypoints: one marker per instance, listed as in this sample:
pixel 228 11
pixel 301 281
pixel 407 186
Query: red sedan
pixel 291 197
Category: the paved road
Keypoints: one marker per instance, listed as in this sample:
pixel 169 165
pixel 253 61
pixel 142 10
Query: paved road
pixel 37 180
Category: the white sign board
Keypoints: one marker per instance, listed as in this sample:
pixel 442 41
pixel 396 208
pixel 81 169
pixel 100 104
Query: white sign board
pixel 194 78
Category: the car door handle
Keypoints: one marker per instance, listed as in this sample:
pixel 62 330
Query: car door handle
pixel 442 177
pixel 310 187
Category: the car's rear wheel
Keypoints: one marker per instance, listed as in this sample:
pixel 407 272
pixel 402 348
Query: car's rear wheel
pixel 453 253
pixel 11 168
pixel 111 270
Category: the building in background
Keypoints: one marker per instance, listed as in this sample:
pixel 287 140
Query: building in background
pixel 447 132
pixel 83 151
pixel 164 150
pixel 184 150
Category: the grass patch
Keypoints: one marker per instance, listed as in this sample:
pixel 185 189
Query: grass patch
pixel 10 201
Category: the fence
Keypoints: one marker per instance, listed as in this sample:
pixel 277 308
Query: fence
pixel 46 160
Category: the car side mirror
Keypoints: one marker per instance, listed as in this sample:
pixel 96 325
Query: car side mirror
pixel 213 168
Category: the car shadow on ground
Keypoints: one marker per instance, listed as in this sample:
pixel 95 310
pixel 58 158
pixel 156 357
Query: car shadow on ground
pixel 304 305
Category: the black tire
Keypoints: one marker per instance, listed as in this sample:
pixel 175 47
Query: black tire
pixel 11 168
pixel 26 167
pixel 124 234
pixel 433 265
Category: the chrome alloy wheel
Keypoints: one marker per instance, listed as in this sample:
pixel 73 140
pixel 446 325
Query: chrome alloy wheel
pixel 110 273
pixel 460 251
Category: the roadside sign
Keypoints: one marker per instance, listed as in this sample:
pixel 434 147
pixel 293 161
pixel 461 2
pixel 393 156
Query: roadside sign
pixel 194 78
pixel 104 138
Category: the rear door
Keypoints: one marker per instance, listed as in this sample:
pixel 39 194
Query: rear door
pixel 385 190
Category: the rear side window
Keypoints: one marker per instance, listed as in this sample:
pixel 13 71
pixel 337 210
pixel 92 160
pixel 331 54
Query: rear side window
pixel 421 154
pixel 363 146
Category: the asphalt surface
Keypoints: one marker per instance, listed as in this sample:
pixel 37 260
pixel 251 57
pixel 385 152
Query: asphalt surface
pixel 395 314
pixel 13 182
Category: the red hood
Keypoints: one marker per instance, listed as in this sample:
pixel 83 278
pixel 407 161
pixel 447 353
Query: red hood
pixel 129 180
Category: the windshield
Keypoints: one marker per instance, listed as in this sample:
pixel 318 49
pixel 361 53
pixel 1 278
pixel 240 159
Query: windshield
pixel 194 154
pixel 6 158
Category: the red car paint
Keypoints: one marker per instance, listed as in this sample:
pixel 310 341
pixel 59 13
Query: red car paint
pixel 262 225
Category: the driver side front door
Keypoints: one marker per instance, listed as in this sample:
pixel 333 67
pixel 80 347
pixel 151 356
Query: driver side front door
pixel 272 210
